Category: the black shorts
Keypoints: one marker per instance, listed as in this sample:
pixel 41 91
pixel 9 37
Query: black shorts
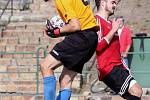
pixel 118 80
pixel 76 49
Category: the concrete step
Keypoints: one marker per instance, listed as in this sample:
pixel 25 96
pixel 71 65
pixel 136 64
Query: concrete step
pixel 17 11
pixel 20 75
pixel 26 25
pixel 23 30
pixel 4 20
pixel 33 39
pixel 22 85
pixel 5 96
pixel 7 41
pixel 17 4
pixel 21 17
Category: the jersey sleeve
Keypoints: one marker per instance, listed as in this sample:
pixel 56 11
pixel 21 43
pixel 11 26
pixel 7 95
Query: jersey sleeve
pixel 129 37
pixel 102 42
pixel 102 45
pixel 69 11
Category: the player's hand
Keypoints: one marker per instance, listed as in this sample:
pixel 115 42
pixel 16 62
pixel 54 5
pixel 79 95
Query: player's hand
pixel 51 31
pixel 115 24
pixel 124 55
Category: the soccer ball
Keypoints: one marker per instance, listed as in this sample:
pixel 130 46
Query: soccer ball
pixel 56 21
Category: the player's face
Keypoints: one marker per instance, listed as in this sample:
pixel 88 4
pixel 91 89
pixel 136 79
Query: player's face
pixel 110 6
pixel 121 23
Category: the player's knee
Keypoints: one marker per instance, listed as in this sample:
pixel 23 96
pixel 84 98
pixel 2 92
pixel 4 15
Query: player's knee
pixel 49 63
pixel 136 90
pixel 66 78
pixel 65 82
pixel 44 66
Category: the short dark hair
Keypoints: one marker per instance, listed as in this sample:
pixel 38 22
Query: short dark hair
pixel 45 0
pixel 122 18
pixel 97 3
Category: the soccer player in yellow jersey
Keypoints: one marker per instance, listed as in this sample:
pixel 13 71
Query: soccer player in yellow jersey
pixel 74 51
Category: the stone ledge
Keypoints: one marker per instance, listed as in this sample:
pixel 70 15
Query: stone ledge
pixel 6 96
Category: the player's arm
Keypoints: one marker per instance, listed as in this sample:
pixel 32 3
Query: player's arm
pixel 115 26
pixel 125 54
pixel 72 26
pixel 102 45
pixel 54 32
pixel 129 42
pixel 70 18
pixel 104 42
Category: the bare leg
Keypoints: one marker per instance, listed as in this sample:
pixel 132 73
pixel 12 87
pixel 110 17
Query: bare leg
pixel 66 80
pixel 48 65
pixel 49 80
pixel 135 92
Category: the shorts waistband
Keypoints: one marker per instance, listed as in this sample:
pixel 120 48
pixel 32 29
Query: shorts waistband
pixel 95 29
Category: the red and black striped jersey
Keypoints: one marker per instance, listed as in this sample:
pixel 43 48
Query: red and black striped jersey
pixel 107 54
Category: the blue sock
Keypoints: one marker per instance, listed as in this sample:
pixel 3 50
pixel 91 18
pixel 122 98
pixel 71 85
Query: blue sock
pixel 49 88
pixel 64 94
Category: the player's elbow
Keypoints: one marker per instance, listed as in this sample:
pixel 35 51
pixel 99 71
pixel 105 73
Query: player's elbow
pixel 75 25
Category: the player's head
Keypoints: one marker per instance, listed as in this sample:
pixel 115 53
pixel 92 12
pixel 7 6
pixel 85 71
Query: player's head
pixel 107 5
pixel 121 19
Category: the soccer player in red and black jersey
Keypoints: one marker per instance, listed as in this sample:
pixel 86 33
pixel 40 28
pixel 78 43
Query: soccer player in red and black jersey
pixel 111 69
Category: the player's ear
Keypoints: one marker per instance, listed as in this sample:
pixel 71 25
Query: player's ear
pixel 102 2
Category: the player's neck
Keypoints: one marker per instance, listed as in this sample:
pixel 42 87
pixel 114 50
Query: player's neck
pixel 103 14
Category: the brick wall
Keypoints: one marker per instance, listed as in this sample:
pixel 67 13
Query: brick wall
pixel 25 34
pixel 24 37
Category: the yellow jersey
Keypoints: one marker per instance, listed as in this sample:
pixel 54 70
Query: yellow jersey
pixel 69 9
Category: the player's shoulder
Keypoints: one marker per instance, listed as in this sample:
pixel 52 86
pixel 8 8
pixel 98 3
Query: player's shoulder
pixel 127 28
pixel 97 16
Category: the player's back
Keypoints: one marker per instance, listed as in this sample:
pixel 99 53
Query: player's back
pixel 80 9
